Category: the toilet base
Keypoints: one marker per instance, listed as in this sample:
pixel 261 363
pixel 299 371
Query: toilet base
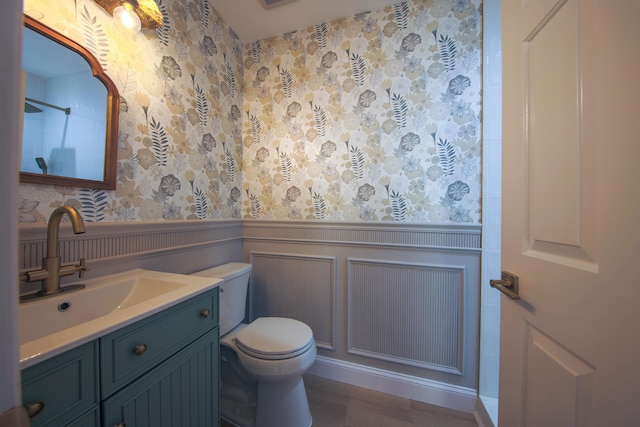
pixel 283 404
pixel 238 404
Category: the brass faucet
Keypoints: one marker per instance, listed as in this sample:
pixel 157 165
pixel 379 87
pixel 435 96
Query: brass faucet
pixel 51 270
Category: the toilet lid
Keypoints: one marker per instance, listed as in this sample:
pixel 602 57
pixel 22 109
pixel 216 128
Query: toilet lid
pixel 275 338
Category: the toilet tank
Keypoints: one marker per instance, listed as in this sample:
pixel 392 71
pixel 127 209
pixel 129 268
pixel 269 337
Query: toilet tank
pixel 233 292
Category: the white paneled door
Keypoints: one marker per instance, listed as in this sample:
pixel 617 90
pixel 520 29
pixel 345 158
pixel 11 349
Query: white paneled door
pixel 570 347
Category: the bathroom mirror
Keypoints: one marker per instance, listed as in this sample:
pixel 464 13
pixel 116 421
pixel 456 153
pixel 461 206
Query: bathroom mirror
pixel 70 133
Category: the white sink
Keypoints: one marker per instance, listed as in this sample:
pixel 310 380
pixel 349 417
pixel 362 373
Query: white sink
pixel 50 326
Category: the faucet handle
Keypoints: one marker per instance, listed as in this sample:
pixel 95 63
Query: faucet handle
pixel 82 268
pixel 69 269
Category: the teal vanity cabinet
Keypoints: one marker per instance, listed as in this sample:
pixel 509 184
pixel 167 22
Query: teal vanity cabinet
pixel 63 390
pixel 163 370
pixel 159 371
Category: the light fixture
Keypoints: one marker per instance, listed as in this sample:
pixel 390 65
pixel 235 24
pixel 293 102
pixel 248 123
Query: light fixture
pixel 134 14
pixel 270 4
pixel 125 15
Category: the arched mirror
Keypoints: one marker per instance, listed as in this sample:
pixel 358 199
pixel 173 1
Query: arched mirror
pixel 70 133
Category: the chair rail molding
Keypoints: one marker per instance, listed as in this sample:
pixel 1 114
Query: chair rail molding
pixel 459 237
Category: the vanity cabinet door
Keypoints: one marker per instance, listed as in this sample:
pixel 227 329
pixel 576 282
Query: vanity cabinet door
pixel 129 352
pixel 90 419
pixel 182 391
pixel 64 387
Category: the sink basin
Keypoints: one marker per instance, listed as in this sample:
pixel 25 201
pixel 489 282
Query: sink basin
pixel 52 325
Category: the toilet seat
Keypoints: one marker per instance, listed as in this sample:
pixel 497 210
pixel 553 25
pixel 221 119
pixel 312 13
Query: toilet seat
pixel 275 338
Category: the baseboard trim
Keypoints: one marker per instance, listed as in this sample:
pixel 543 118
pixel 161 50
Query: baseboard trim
pixel 483 419
pixel 410 387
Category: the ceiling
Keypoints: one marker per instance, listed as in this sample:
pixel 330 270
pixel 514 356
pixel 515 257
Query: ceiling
pixel 251 21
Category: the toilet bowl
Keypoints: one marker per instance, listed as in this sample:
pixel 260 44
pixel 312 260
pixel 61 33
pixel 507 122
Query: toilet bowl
pixel 262 362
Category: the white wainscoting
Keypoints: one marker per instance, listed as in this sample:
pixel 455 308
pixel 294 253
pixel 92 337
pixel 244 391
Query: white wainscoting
pixel 298 287
pixel 404 307
pixel 329 275
pixel 407 313
pixel 174 246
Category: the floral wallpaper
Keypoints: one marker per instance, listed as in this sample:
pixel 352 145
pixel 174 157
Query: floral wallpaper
pixel 374 117
pixel 179 151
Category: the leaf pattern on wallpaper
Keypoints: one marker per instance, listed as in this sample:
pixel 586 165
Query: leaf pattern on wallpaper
pixel 255 205
pixel 205 10
pixel 95 38
pixel 286 165
pixel 201 203
pixel 256 128
pixel 358 67
pixel 182 50
pixel 324 75
pixel 476 15
pixel 319 206
pixel 321 31
pixel 447 156
pixel 25 208
pixel 230 79
pixel 230 164
pixel 398 206
pixel 127 79
pixel 357 160
pixel 92 204
pixel 470 61
pixel 286 79
pixel 401 14
pixel 164 30
pixel 203 105
pixel 400 109
pixel 133 162
pixel 160 142
pixel 256 51
pixel 469 167
pixel 448 50
pixel 124 105
pixel 320 119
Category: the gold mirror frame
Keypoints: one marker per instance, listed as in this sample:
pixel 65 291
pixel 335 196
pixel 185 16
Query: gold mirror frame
pixel 111 136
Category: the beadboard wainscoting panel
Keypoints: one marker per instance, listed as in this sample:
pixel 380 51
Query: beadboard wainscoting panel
pixel 297 287
pixel 174 246
pixel 407 313
pixel 406 295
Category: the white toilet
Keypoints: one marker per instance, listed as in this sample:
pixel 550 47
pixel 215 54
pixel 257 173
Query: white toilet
pixel 261 363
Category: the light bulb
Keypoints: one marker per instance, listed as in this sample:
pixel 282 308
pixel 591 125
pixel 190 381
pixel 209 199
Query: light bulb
pixel 127 17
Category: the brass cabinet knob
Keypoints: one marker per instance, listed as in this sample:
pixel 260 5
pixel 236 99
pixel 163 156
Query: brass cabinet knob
pixel 33 408
pixel 205 313
pixel 140 349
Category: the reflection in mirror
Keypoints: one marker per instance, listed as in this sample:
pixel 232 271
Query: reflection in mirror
pixel 70 113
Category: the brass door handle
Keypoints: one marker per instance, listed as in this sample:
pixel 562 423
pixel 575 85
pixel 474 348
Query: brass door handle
pixel 508 285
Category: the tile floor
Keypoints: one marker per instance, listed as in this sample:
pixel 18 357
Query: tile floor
pixel 336 404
